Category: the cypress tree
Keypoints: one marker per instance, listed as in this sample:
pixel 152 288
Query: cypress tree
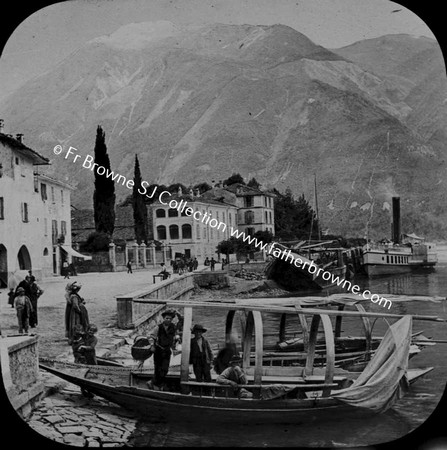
pixel 139 207
pixel 104 195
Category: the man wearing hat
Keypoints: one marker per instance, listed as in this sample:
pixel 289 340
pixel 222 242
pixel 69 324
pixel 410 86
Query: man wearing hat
pixel 166 335
pixel 234 375
pixel 201 355
pixel 23 307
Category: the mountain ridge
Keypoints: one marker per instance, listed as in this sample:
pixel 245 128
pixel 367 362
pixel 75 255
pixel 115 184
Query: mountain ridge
pixel 264 101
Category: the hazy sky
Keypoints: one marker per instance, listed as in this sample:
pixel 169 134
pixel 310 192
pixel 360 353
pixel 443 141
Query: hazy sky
pixel 52 33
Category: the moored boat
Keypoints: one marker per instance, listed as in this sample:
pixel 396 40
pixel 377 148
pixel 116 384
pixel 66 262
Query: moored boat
pixel 399 255
pixel 280 394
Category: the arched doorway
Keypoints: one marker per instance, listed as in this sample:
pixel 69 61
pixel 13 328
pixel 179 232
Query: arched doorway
pixel 24 258
pixel 3 266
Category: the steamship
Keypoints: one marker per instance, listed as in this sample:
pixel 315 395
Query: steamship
pixel 405 255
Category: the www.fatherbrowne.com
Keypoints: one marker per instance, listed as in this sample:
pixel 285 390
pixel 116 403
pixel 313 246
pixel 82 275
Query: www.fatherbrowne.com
pixel 207 219
pixel 284 254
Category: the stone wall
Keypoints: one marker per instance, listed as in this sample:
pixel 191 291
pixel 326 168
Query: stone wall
pixel 135 310
pixel 20 372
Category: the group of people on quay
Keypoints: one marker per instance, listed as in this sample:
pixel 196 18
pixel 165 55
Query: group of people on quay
pixel 24 299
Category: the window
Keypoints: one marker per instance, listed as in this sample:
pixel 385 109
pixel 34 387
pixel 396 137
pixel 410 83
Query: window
pixel 229 217
pixel 211 233
pixel 249 217
pixel 161 232
pixel 45 252
pixel 387 259
pixel 173 231
pixel 198 231
pixel 266 217
pixel 24 212
pixel 172 212
pixel 2 208
pixel 52 194
pixel 54 231
pixel 186 231
pixel 63 227
pixel 45 226
pixel 270 215
pixel 36 184
pixel 43 191
pixel 62 197
pixel 250 231
pixel 160 213
pixel 217 216
pixel 248 201
pixel 17 160
pixel 204 232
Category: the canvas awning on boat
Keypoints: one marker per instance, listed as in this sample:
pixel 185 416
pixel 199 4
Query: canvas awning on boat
pixel 73 252
pixel 384 379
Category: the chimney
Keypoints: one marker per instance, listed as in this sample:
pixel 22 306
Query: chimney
pixel 19 137
pixel 396 220
pixel 2 124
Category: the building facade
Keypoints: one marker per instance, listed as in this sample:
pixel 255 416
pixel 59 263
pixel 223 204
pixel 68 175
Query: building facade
pixel 34 213
pixel 192 235
pixel 255 209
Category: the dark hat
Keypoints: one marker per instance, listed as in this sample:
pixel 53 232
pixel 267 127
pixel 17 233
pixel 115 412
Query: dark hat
pixel 235 359
pixel 198 327
pixel 168 312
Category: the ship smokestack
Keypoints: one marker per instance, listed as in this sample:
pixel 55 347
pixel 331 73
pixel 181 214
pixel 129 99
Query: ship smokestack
pixel 396 221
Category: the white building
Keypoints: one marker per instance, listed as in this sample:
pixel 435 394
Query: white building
pixel 185 234
pixel 34 213
pixel 255 209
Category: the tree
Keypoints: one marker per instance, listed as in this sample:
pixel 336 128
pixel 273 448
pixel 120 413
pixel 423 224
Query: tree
pixel 96 242
pixel 104 195
pixel 139 206
pixel 202 187
pixel 254 183
pixel 235 178
pixel 294 219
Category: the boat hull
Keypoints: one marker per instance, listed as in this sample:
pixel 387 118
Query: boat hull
pixel 171 406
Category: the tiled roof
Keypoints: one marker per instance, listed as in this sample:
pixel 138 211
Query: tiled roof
pixel 241 189
pixel 25 151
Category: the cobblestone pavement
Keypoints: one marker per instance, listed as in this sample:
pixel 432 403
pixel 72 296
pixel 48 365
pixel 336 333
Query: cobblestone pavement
pixel 64 415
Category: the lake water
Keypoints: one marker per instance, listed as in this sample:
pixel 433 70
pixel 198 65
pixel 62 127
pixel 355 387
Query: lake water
pixel 405 416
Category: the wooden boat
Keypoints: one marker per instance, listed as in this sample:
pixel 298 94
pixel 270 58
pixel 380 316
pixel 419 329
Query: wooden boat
pixel 293 278
pixel 398 256
pixel 280 394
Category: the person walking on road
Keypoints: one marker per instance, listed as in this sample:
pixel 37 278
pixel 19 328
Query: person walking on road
pixel 212 264
pixel 23 308
pixel 35 293
pixel 129 266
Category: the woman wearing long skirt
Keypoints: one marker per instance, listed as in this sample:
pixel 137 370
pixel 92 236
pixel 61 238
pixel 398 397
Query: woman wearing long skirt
pixel 76 312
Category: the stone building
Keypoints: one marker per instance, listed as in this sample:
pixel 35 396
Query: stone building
pixel 188 235
pixel 34 213
pixel 255 209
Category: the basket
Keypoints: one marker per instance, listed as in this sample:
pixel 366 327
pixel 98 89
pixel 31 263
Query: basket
pixel 141 349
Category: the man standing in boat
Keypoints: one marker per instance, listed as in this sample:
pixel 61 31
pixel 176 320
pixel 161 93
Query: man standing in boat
pixel 201 355
pixel 166 337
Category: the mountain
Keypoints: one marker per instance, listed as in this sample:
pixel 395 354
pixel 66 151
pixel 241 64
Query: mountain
pixel 199 104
